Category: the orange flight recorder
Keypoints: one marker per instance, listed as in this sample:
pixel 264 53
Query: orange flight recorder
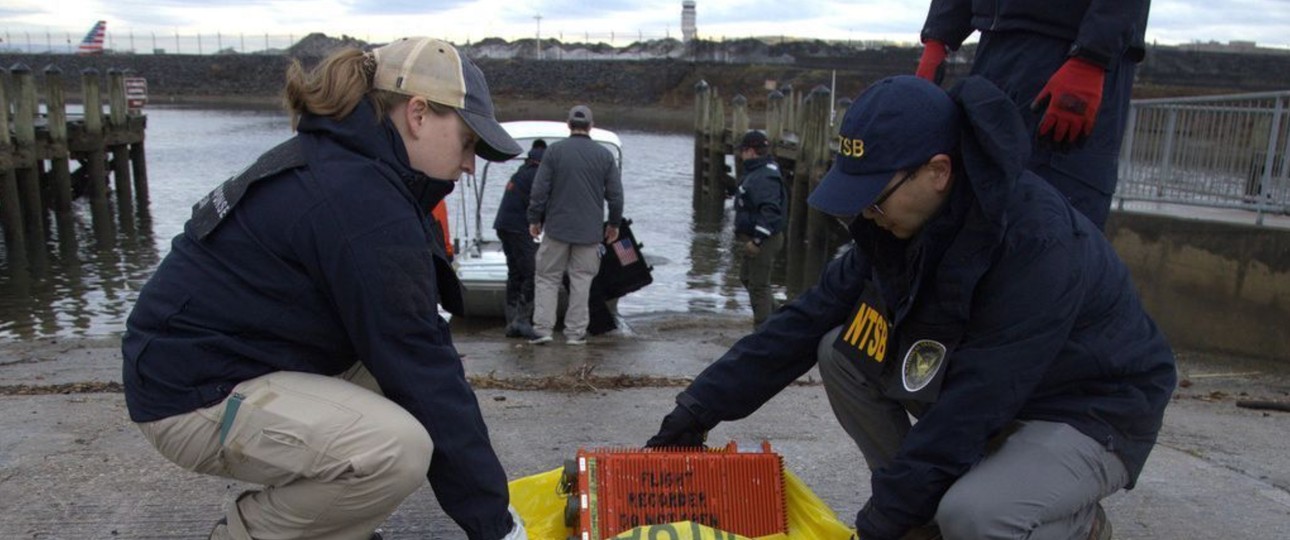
pixel 612 490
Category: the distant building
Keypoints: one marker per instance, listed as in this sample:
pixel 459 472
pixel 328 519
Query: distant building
pixel 1233 46
pixel 688 30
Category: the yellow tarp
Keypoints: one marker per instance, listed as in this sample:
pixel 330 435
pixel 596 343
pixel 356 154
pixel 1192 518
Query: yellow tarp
pixel 540 504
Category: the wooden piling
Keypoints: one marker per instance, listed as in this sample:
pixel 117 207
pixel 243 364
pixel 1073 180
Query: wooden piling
pixel 10 205
pixel 138 159
pixel 36 170
pixel 789 120
pixel 816 136
pixel 738 127
pixel 842 106
pixel 58 154
pixel 718 143
pixel 738 116
pixel 701 117
pixel 120 152
pixel 139 166
pixel 97 168
pixel 25 162
pixel 774 116
pixel 798 190
pixel 60 169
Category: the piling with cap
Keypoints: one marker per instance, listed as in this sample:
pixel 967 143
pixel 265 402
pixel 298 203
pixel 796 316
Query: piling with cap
pixel 25 162
pixel 97 166
pixel 117 126
pixel 701 104
pixel 718 141
pixel 816 134
pixel 10 205
pixel 138 159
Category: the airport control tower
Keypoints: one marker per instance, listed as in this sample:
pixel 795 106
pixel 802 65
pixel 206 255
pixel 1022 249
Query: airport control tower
pixel 687 21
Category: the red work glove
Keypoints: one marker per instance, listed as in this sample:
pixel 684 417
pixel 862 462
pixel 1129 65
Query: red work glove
pixel 932 65
pixel 1071 99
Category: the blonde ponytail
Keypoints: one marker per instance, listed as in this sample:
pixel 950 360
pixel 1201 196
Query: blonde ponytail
pixel 334 87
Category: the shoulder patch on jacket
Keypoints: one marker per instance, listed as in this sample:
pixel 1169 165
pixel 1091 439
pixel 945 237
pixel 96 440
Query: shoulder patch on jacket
pixel 216 205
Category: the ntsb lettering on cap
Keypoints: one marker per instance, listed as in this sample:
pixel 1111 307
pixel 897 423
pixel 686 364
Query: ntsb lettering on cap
pixel 853 148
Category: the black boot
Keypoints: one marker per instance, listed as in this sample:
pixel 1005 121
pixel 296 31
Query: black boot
pixel 512 330
pixel 523 321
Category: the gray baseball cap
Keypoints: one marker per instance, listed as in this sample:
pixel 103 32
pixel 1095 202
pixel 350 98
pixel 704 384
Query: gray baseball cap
pixel 580 113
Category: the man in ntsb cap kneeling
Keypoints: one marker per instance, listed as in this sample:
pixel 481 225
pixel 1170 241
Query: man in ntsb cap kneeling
pixel 975 298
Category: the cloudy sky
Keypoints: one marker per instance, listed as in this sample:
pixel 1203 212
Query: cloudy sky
pixel 1172 21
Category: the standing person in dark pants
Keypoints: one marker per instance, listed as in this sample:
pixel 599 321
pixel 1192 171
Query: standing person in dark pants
pixel 759 221
pixel 512 228
pixel 1069 68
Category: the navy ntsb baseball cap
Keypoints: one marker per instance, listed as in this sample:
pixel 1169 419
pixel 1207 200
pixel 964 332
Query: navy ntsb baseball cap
pixel 895 124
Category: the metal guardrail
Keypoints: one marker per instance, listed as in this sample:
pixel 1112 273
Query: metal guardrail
pixel 1216 151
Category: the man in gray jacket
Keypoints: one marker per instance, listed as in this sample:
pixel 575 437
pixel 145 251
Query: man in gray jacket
pixel 576 178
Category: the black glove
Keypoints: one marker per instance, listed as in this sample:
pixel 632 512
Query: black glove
pixel 680 429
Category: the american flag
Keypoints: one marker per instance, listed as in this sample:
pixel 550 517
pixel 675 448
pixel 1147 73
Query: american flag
pixel 93 42
pixel 626 251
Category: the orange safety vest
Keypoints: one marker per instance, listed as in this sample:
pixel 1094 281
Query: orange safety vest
pixel 440 214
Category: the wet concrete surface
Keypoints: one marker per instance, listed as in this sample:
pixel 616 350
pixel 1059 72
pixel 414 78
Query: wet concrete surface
pixel 72 466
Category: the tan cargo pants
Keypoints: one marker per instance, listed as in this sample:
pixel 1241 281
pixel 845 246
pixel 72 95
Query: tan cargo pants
pixel 554 259
pixel 335 456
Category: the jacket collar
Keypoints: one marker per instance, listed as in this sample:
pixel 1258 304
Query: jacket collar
pixel 757 163
pixel 995 145
pixel 363 133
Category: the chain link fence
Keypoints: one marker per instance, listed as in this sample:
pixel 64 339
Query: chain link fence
pixel 129 42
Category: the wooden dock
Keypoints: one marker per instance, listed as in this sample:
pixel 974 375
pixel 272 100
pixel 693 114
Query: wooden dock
pixel 803 140
pixel 39 148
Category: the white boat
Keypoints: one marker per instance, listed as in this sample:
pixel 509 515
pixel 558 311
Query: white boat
pixel 481 265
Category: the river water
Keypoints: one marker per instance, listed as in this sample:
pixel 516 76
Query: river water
pixel 81 290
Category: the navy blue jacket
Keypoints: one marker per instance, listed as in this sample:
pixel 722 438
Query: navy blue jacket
pixel 317 268
pixel 1103 30
pixel 512 213
pixel 760 203
pixel 1051 328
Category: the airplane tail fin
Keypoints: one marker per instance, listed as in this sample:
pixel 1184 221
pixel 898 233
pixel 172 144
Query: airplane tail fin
pixel 93 42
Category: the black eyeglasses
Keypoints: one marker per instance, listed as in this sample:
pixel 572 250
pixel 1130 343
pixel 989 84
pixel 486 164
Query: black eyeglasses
pixel 876 206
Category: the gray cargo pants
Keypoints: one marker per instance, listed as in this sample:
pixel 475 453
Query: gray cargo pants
pixel 1041 480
